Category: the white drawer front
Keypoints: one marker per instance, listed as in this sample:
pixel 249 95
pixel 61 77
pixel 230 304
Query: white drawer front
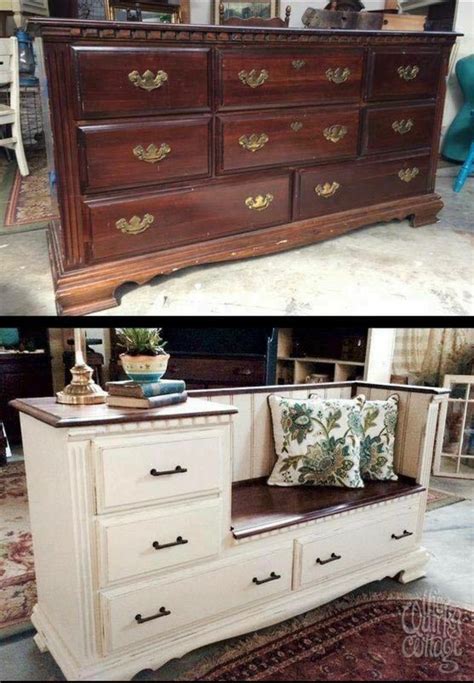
pixel 183 465
pixel 341 550
pixel 191 599
pixel 139 543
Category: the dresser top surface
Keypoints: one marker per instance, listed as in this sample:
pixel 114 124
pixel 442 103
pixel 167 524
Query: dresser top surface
pixel 61 415
pixel 77 28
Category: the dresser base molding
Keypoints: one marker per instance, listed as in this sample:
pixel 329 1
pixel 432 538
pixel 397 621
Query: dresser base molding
pixel 93 288
pixel 156 653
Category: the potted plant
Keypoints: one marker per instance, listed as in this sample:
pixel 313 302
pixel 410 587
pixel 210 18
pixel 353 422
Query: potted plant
pixel 144 358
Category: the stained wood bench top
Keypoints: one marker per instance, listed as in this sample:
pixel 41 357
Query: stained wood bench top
pixel 258 508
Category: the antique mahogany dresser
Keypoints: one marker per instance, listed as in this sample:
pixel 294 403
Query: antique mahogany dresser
pixel 181 145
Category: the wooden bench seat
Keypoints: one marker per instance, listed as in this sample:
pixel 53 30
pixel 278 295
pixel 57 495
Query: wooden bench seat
pixel 258 508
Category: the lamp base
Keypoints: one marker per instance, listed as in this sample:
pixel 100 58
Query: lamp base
pixel 82 390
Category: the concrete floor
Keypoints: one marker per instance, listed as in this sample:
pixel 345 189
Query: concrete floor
pixel 448 536
pixel 388 269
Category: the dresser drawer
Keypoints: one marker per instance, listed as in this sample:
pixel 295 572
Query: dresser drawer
pixel 397 74
pixel 183 602
pixel 144 542
pixel 120 81
pixel 152 469
pixel 159 221
pixel 147 152
pixel 388 129
pixel 344 549
pixel 287 137
pixel 340 187
pixel 256 78
pixel 223 371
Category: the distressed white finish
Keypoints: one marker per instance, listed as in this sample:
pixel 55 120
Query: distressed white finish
pixel 94 518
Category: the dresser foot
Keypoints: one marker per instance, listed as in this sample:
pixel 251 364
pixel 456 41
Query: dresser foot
pixel 415 569
pixel 427 213
pixel 40 643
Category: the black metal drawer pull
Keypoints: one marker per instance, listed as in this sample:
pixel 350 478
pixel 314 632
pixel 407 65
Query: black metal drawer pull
pixel 333 558
pixel 162 613
pixel 272 577
pixel 177 470
pixel 179 541
pixel 404 535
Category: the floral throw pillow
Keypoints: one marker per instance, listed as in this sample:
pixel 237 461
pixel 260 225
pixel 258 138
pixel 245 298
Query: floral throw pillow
pixel 317 441
pixel 379 422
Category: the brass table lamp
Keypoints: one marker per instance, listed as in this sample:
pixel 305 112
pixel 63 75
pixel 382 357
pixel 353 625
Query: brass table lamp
pixel 82 390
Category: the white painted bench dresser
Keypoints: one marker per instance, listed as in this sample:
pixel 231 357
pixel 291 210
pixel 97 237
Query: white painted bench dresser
pixel 154 532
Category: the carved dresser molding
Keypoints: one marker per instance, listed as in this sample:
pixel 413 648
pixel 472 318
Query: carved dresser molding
pixel 195 144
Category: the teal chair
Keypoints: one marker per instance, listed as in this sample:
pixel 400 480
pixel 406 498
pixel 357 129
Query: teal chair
pixel 459 141
pixel 468 166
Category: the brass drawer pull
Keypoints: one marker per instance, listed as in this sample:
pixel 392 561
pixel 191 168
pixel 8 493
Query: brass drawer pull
pixel 298 64
pixel 136 225
pixel 404 535
pixel 152 155
pixel 253 142
pixel 179 541
pixel 327 190
pixel 408 73
pixel 177 470
pixel 408 174
pixel 335 133
pixel 251 78
pixel 260 203
pixel 338 75
pixel 403 126
pixel 162 613
pixel 333 558
pixel 272 577
pixel 148 81
pixel 296 126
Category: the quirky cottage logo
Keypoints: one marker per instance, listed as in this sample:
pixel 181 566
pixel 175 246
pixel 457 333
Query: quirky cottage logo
pixel 433 630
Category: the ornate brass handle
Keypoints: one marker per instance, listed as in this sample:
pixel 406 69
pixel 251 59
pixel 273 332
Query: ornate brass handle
pixel 327 190
pixel 408 174
pixel 296 126
pixel 259 203
pixel 298 64
pixel 136 225
pixel 403 126
pixel 338 75
pixel 152 155
pixel 408 73
pixel 148 81
pixel 335 133
pixel 253 142
pixel 251 78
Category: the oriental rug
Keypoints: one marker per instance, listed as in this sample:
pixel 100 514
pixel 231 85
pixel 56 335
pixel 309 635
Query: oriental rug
pixel 378 636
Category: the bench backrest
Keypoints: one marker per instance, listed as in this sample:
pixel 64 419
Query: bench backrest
pixel 252 438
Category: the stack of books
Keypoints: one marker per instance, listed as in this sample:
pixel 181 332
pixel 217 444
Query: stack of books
pixel 131 394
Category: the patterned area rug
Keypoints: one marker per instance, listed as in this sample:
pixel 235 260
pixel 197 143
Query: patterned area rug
pixel 383 637
pixel 17 575
pixel 26 202
pixel 439 499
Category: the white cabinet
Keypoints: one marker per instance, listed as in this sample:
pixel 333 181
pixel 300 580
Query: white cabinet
pixel 20 10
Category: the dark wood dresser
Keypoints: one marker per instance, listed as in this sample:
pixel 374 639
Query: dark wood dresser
pixel 21 375
pixel 181 145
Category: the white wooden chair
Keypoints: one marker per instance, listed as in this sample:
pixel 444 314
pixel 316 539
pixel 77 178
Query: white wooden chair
pixel 10 114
